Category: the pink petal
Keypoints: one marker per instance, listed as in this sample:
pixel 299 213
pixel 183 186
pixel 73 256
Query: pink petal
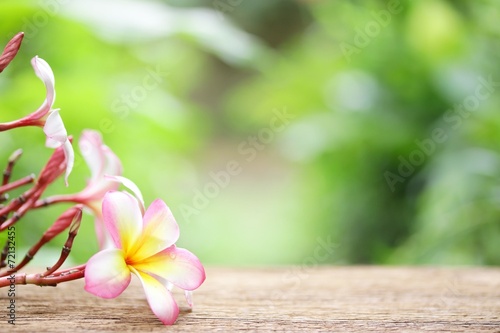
pixel 57 136
pixel 101 160
pixel 188 294
pixel 90 144
pixel 175 265
pixel 107 274
pixel 159 232
pixel 70 159
pixel 54 130
pixel 44 72
pixel 113 164
pixel 95 207
pixel 129 185
pixel 103 238
pixel 122 218
pixel 159 298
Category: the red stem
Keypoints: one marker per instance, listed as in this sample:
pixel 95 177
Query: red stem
pixel 23 122
pixel 66 275
pixel 12 159
pixel 67 219
pixel 73 230
pixel 18 183
pixel 15 204
pixel 68 198
pixel 26 205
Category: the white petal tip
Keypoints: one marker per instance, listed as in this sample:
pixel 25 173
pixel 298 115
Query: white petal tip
pixel 189 297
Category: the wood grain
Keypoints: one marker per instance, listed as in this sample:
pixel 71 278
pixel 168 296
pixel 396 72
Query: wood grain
pixel 289 299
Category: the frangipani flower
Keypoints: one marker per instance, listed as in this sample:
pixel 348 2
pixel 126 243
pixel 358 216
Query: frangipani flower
pixel 102 161
pixel 46 117
pixel 103 164
pixel 144 246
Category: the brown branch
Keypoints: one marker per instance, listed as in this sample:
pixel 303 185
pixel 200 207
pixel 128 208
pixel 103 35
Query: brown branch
pixel 51 171
pixel 12 160
pixel 4 254
pixel 8 172
pixel 14 205
pixel 63 222
pixel 69 274
pixel 73 230
pixel 19 206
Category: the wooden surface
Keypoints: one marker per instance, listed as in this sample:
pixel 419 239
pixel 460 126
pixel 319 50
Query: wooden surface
pixel 322 299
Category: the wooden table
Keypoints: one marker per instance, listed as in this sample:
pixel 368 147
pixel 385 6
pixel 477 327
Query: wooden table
pixel 321 299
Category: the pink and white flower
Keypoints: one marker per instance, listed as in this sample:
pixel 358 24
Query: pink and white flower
pixel 103 164
pixel 46 117
pixel 145 247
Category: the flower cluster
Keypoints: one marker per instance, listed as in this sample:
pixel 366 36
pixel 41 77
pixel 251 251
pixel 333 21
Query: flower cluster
pixel 132 240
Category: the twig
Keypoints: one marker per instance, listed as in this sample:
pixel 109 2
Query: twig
pixel 69 274
pixel 73 230
pixel 8 172
pixel 20 206
pixel 12 160
pixel 64 220
pixel 18 183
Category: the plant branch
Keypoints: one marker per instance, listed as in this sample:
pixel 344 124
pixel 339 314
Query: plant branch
pixel 73 230
pixel 18 183
pixel 53 280
pixel 64 220
pixel 12 160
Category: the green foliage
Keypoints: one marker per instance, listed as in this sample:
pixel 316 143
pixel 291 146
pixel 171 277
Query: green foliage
pixel 376 155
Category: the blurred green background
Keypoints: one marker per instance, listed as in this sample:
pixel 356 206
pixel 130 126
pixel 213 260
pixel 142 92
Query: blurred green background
pixel 356 132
